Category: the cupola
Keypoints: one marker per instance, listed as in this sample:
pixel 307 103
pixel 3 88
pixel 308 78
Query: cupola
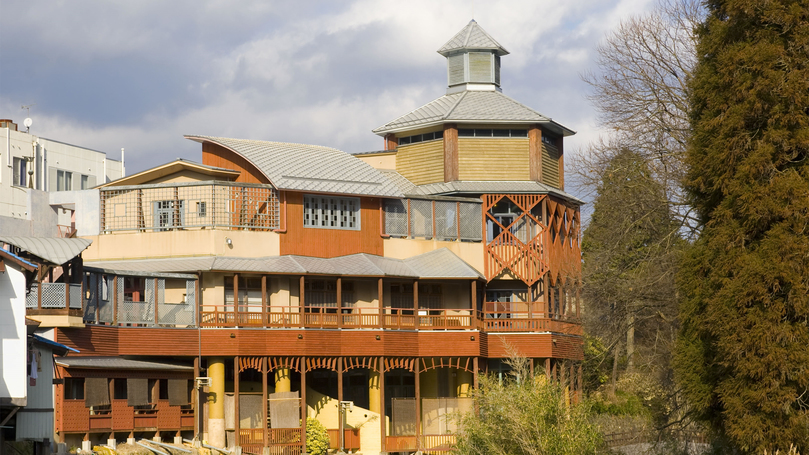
pixel 473 60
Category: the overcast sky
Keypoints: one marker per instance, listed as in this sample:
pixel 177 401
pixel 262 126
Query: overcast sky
pixel 141 74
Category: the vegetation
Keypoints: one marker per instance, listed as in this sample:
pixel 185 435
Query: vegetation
pixel 524 415
pixel 317 438
pixel 743 350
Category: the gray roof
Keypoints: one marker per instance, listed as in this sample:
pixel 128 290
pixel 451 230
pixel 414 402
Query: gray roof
pixel 440 263
pixel 472 37
pixel 54 250
pixel 471 107
pixel 490 187
pixel 314 168
pixel 118 363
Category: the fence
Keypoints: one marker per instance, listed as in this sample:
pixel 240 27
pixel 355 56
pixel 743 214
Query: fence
pixel 54 296
pixel 164 207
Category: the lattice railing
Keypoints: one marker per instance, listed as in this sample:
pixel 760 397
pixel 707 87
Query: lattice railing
pixel 418 218
pixel 163 207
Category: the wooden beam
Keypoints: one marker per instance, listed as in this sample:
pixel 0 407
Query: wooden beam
pixel 451 166
pixel 535 153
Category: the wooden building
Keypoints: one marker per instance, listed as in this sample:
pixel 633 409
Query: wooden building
pixel 284 280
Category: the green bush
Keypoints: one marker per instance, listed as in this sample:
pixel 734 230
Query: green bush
pixel 317 438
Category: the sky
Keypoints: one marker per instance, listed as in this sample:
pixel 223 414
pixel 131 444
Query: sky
pixel 140 74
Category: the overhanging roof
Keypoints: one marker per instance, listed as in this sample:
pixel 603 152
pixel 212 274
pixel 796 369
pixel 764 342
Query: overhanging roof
pixel 14 259
pixel 171 168
pixel 440 263
pixel 118 363
pixel 301 167
pixel 489 107
pixel 54 250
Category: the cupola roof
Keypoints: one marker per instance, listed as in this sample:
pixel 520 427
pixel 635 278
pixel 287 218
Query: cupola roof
pixel 472 37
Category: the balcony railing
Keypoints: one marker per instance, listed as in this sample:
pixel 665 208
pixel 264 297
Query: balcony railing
pixel 55 296
pixel 197 205
pixel 119 416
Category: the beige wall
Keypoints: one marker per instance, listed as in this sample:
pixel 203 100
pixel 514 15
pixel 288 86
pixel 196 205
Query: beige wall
pixel 470 252
pixel 380 160
pixel 181 243
pixel 422 162
pixel 324 409
pixel 175 290
pixel 493 159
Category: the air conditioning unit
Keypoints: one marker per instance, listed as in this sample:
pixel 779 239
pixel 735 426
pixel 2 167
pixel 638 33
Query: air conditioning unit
pixel 203 382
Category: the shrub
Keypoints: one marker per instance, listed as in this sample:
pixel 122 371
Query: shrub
pixel 317 438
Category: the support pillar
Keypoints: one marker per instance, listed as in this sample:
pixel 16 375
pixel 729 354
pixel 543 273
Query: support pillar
pixel 283 380
pixel 418 405
pixel 373 392
pixel 264 403
pixel 304 406
pixel 383 427
pixel 464 381
pixel 216 402
pixel 236 416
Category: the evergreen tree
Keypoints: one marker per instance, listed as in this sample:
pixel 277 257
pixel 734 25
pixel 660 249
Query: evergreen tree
pixel 743 351
pixel 629 252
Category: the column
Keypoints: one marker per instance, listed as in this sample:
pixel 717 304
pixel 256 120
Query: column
pixel 373 392
pixel 383 427
pixel 236 423
pixel 464 381
pixel 264 402
pixel 283 380
pixel 216 402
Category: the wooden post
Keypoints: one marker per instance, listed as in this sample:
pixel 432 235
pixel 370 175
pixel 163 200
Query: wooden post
pixel 339 303
pixel 548 369
pixel 474 305
pixel 382 424
pixel 531 365
pixel 535 153
pixel 114 299
pixel 530 303
pixel 416 305
pixel 418 404
pixel 67 292
pixel 236 299
pixel 197 402
pixel 339 380
pixel 304 407
pixel 302 302
pixel 475 372
pixel 450 152
pixel 264 309
pixel 198 299
pixel 236 423
pixel 264 402
pixel 380 292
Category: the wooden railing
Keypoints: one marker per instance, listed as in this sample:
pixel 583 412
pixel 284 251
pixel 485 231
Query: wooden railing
pixel 426 443
pixel 391 319
pixel 118 416
pixel 351 439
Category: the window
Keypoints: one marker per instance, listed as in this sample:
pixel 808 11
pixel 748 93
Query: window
pixel 166 216
pixel 430 296
pixel 421 138
pixel 485 132
pixel 85 182
pixel 401 295
pixel 202 209
pixel 249 294
pixel 134 289
pixel 119 389
pixel 64 180
pixel 20 171
pixel 74 388
pixel 506 213
pixel 550 140
pixel 331 212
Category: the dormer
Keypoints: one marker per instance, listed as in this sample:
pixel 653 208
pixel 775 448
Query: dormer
pixel 473 60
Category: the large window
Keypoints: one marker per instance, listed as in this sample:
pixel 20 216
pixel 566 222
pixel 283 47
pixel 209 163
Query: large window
pixel 331 212
pixel 166 215
pixel 64 180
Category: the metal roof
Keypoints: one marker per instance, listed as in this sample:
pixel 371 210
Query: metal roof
pixel 54 250
pixel 471 106
pixel 59 348
pixel 301 167
pixel 118 363
pixel 491 187
pixel 435 264
pixel 472 37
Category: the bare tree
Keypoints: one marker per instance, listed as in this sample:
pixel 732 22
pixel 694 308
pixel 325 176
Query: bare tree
pixel 640 92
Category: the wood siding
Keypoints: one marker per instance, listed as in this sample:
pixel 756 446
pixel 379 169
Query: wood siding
pixel 216 155
pixel 135 341
pixel 493 159
pixel 422 163
pixel 550 165
pixel 328 243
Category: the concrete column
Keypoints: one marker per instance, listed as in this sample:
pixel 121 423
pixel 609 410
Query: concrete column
pixel 373 392
pixel 216 402
pixel 283 381
pixel 463 381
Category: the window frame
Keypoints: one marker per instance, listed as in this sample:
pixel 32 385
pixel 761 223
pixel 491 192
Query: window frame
pixel 328 212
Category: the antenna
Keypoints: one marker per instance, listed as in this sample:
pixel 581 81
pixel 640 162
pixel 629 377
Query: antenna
pixel 28 108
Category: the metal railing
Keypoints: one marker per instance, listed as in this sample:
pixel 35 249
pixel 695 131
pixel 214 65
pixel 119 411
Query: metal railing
pixel 54 296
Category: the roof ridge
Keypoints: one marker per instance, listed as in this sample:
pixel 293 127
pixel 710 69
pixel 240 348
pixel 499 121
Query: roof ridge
pixel 325 147
pixel 452 109
pixel 469 28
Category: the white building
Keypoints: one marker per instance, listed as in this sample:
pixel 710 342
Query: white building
pixel 32 166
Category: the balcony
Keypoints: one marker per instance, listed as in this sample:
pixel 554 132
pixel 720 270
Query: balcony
pixel 55 304
pixel 118 416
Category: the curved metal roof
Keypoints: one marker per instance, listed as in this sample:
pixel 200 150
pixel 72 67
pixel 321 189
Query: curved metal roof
pixel 54 250
pixel 302 167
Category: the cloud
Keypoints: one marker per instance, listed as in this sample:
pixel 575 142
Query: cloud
pixel 141 74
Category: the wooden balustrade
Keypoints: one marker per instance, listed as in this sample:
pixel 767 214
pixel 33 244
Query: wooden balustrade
pixel 118 416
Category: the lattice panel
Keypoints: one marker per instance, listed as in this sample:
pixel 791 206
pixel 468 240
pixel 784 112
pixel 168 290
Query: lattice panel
pixel 519 247
pixel 421 218
pixel 75 296
pixel 135 313
pixel 564 248
pixel 31 300
pixel 106 311
pixel 396 217
pixel 403 417
pixel 446 220
pixel 53 295
pixel 471 221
